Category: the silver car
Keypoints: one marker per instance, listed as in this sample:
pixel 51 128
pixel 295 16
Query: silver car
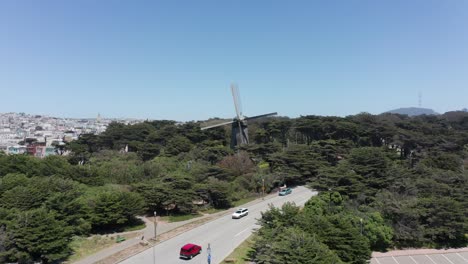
pixel 241 212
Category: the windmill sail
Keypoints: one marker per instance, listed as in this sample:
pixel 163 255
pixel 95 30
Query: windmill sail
pixel 218 125
pixel 260 116
pixel 239 132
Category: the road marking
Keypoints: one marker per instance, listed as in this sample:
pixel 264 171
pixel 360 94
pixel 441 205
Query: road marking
pixel 395 260
pixel 411 257
pixel 462 257
pixel 447 259
pixel 378 262
pixel 242 231
pixel 430 259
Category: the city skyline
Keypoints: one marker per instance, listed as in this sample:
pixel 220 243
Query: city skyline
pixel 176 60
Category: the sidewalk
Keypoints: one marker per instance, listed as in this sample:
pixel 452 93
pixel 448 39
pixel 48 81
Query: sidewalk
pixel 148 233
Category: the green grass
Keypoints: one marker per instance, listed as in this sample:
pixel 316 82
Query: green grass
pixel 133 225
pixel 134 228
pixel 212 210
pixel 243 201
pixel 85 246
pixel 179 218
pixel 239 255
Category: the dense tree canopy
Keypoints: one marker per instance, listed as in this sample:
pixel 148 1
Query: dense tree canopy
pixel 385 180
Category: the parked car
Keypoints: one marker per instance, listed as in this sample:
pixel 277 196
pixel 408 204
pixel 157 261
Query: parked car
pixel 241 212
pixel 285 192
pixel 190 250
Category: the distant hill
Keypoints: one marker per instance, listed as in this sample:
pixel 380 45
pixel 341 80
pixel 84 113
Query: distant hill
pixel 456 116
pixel 413 111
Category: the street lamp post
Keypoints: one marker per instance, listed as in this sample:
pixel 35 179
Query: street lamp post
pixel 155 226
pixel 263 189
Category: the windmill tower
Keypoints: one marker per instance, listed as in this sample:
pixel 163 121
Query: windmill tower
pixel 239 131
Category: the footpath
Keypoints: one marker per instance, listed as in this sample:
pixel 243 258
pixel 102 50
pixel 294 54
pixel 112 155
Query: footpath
pixel 128 248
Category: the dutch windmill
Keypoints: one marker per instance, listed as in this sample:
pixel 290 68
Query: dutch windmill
pixel 239 134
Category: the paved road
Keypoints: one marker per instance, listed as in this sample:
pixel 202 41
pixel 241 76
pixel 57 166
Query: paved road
pixel 224 234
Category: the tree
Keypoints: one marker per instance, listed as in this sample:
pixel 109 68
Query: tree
pixel 68 206
pixel 213 152
pixel 154 193
pixel 177 145
pixel 54 165
pixel 113 208
pixel 3 244
pixel 342 236
pixel 401 210
pixel 238 164
pixel 444 221
pixel 23 164
pixel 309 234
pixel 146 151
pixel 297 163
pixel 181 193
pixel 23 197
pixel 218 193
pixel 379 234
pixel 291 245
pixel 279 129
pixel 444 161
pixel 11 181
pixel 40 235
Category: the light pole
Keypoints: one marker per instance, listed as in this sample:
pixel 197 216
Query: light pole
pixel 155 226
pixel 263 189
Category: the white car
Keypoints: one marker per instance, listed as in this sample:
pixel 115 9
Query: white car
pixel 241 212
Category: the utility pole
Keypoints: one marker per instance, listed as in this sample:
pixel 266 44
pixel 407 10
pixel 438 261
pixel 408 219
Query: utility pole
pixel 155 233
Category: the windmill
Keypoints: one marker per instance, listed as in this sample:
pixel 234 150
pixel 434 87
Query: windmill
pixel 239 134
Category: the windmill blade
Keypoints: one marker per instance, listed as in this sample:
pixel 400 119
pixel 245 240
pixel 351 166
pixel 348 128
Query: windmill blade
pixel 259 116
pixel 235 96
pixel 218 125
pixel 239 103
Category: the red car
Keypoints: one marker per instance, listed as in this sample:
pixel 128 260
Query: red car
pixel 190 250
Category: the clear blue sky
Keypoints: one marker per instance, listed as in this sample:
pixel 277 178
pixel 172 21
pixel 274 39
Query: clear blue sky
pixel 176 59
